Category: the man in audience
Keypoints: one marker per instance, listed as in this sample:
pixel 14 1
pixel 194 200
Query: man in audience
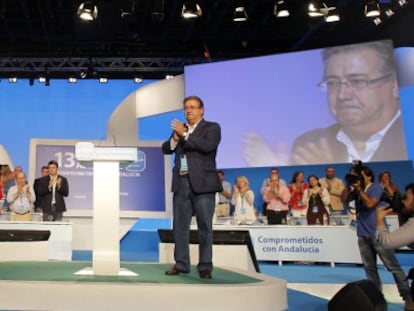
pixel 335 186
pixel 51 190
pixel 10 181
pixel 362 92
pixel 44 172
pixel 223 204
pixel 20 198
pixel 266 183
pixel 368 194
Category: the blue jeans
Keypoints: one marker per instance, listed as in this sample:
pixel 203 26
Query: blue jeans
pixel 369 247
pixel 187 203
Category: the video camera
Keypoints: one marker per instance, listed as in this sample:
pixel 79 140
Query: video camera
pixel 354 175
pixel 395 202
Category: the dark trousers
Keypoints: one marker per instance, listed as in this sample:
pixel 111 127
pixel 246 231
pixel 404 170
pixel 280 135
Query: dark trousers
pixel 187 203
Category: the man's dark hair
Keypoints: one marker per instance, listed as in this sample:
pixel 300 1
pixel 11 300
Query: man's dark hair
pixel 53 162
pixel 368 172
pixel 195 98
pixel 410 186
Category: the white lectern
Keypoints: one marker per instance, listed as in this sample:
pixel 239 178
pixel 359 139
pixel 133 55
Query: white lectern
pixel 106 163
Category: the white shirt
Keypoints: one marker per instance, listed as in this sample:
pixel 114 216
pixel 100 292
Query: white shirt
pixel 371 145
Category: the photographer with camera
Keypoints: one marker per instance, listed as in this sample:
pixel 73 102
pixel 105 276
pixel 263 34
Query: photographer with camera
pixel 404 235
pixel 367 196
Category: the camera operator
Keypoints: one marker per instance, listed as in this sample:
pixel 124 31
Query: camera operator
pixel 367 199
pixel 404 235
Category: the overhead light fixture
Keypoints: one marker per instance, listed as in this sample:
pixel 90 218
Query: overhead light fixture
pixel 377 21
pixel 12 79
pixel 138 80
pixel 314 9
pixel 402 2
pixel 389 12
pixel 42 79
pixel 167 77
pixel 88 11
pixel 372 8
pixel 47 81
pixel 31 81
pixel 332 15
pixel 281 9
pixel 72 80
pixel 240 14
pixel 158 11
pixel 191 9
pixel 103 80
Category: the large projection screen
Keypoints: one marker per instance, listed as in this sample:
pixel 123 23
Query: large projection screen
pixel 264 104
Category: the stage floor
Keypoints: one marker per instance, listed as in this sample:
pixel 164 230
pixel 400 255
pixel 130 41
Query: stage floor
pixel 55 286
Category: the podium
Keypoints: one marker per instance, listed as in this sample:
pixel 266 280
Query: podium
pixel 106 162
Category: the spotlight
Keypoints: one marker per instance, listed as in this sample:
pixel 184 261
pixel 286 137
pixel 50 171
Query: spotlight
pixel 12 79
pixel 240 14
pixel 83 74
pixel 47 82
pixel 31 81
pixel 372 8
pixel 88 11
pixel 191 10
pixel 42 79
pixel 72 80
pixel 314 9
pixel 377 21
pixel 158 11
pixel 138 80
pixel 389 12
pixel 402 2
pixel 167 77
pixel 281 9
pixel 103 80
pixel 332 15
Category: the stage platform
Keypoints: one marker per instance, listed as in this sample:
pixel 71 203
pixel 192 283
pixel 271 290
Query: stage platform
pixel 54 286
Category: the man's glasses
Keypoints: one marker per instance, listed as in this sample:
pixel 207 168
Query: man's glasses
pixel 356 83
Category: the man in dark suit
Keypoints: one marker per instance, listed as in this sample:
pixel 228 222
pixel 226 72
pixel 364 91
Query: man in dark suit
pixel 195 183
pixel 51 190
pixel 44 172
pixel 362 92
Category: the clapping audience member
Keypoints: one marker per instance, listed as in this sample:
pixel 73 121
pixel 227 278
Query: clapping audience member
pixel 335 186
pixel 51 190
pixel 316 200
pixel 44 172
pixel 266 183
pixel 223 202
pixel 276 197
pixel 10 181
pixel 296 188
pixel 20 198
pixel 243 201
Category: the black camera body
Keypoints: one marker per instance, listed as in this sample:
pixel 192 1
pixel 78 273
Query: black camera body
pixel 395 202
pixel 355 175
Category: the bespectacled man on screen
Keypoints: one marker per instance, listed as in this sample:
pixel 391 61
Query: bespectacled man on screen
pixel 362 93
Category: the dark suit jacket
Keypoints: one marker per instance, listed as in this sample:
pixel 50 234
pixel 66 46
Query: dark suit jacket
pixel 392 147
pixel 44 195
pixel 200 150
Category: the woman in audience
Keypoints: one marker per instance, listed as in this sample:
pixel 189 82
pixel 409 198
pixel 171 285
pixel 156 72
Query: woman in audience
pixel 316 200
pixel 296 188
pixel 243 201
